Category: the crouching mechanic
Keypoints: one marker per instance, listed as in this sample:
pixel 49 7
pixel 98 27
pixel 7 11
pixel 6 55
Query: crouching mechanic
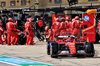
pixel 50 39
pixel 1 30
pixel 77 24
pixel 5 37
pixel 29 32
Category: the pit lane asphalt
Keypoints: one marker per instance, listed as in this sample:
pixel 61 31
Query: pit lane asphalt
pixel 5 64
pixel 37 52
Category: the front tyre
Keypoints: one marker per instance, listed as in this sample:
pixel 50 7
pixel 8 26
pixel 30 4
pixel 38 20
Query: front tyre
pixel 89 48
pixel 53 49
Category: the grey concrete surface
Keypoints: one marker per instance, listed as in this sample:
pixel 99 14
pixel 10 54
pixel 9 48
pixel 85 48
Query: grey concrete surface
pixel 37 52
pixel 5 64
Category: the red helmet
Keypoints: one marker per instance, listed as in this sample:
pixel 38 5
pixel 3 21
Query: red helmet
pixel 30 19
pixel 63 19
pixel 73 19
pixel 27 19
pixel 10 19
pixel 68 18
pixel 76 18
pixel 57 19
pixel 47 27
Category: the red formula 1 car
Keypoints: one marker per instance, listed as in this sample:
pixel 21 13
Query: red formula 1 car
pixel 69 45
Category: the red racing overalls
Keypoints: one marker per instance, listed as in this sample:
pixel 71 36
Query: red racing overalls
pixel 1 30
pixel 77 27
pixel 63 27
pixel 55 29
pixel 15 36
pixel 99 27
pixel 50 35
pixel 10 26
pixel 30 35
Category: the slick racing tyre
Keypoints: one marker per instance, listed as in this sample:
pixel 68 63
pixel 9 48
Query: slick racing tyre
pixel 89 48
pixel 53 49
pixel 22 39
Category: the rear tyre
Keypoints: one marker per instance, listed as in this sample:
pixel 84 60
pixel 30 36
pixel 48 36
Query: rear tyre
pixel 53 49
pixel 89 48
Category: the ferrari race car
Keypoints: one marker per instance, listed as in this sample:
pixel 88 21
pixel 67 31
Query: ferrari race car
pixel 69 45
